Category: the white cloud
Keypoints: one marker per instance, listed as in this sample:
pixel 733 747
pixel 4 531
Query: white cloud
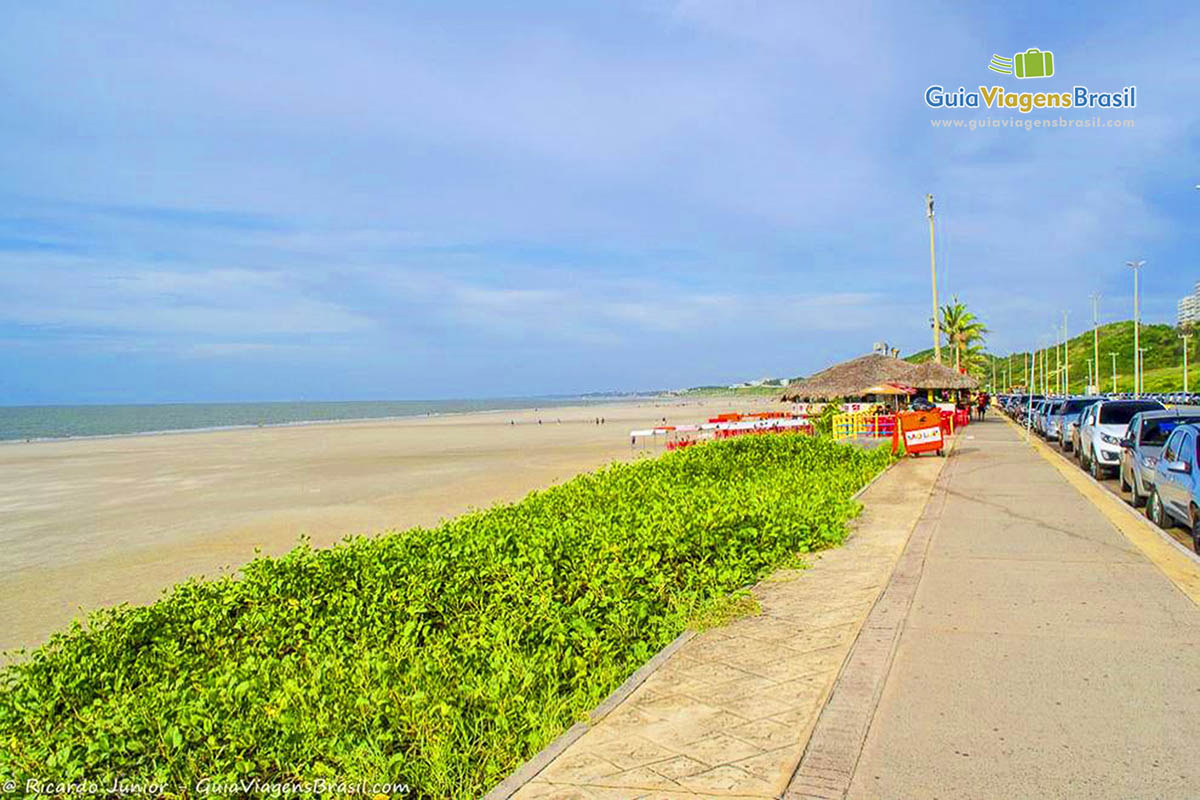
pixel 80 293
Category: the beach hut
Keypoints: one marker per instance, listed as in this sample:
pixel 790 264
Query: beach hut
pixel 935 377
pixel 876 378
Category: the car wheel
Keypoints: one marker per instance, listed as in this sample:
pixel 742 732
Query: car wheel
pixel 1195 531
pixel 1094 466
pixel 1121 477
pixel 1136 498
pixel 1155 511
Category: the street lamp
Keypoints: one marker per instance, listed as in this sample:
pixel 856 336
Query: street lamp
pixel 1114 367
pixel 1066 381
pixel 1137 324
pixel 1141 365
pixel 937 328
pixel 1096 339
pixel 1185 337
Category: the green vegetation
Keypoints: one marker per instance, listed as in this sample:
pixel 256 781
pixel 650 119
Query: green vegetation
pixel 724 610
pixel 442 657
pixel 1163 358
pixel 964 335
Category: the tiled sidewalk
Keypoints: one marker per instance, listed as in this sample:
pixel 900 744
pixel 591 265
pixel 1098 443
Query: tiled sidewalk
pixel 729 714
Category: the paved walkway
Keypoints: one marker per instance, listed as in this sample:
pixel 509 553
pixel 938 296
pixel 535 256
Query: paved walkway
pixel 728 715
pixel 1015 636
pixel 1043 656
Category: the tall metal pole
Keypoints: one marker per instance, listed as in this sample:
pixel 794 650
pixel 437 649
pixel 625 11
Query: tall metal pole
pixel 1184 336
pixel 1114 365
pixel 1057 366
pixel 1141 365
pixel 1066 359
pixel 1046 372
pixel 1137 324
pixel 1029 410
pixel 1096 337
pixel 937 327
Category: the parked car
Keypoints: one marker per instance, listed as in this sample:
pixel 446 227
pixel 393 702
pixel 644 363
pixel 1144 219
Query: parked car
pixel 1100 430
pixel 1173 498
pixel 1067 413
pixel 1142 446
pixel 1037 416
pixel 1023 404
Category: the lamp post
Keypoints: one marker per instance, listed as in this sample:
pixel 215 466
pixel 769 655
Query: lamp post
pixel 1114 365
pixel 1141 366
pixel 937 328
pixel 1029 410
pixel 1185 337
pixel 1137 324
pixel 1096 339
pixel 1066 381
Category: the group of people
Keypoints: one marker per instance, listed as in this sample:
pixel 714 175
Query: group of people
pixel 978 405
pixel 981 405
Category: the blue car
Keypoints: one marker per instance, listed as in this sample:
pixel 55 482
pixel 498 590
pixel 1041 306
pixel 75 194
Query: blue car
pixel 1175 497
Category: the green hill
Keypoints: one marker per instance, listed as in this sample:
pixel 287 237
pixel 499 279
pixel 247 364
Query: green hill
pixel 921 356
pixel 1163 359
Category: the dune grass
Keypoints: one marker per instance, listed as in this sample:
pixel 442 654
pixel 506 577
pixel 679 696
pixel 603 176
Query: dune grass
pixel 439 657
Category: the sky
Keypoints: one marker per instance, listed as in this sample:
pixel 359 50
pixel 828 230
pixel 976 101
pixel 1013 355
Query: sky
pixel 326 201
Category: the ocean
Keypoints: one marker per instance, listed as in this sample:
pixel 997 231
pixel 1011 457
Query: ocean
pixel 21 423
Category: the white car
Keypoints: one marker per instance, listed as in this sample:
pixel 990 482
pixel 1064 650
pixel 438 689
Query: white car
pixel 1101 427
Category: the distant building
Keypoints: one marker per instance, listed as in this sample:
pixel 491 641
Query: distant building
pixel 1187 311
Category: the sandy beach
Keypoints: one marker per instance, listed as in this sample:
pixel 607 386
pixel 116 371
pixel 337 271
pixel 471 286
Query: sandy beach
pixel 95 522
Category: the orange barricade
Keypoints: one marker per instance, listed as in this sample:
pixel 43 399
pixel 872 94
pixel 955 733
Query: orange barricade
pixel 920 432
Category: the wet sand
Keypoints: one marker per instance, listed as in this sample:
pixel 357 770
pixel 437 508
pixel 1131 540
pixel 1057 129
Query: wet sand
pixel 96 522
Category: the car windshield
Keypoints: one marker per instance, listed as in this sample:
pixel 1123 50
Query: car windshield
pixel 1121 413
pixel 1156 431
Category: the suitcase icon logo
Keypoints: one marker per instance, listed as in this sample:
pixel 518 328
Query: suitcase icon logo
pixel 1033 63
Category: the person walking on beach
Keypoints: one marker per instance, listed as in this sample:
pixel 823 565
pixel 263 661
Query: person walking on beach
pixel 981 405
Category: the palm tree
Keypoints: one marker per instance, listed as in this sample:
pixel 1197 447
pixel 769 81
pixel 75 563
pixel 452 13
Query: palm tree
pixel 962 329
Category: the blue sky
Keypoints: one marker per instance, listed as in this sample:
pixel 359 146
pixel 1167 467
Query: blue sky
pixel 261 201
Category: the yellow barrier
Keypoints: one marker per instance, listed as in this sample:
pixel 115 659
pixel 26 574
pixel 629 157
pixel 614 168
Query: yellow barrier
pixel 855 426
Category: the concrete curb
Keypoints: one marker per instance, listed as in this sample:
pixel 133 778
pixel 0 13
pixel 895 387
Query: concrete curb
pixel 531 768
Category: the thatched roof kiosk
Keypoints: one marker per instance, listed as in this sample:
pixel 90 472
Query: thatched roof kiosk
pixel 932 375
pixel 855 378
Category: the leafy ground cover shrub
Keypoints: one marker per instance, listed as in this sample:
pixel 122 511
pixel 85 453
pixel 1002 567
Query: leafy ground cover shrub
pixel 441 657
